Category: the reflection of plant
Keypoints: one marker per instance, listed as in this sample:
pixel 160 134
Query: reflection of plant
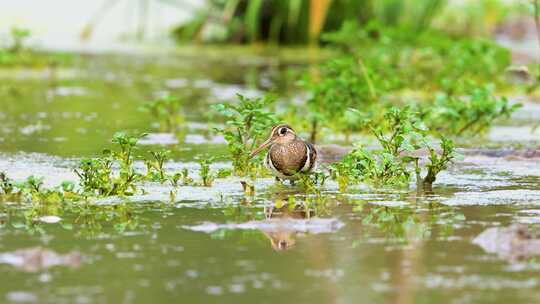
pixel 89 218
pixel 85 218
pixel 407 223
pixel 167 110
pixel 313 182
pixel 247 123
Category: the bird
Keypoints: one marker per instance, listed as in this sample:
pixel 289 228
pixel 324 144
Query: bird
pixel 288 155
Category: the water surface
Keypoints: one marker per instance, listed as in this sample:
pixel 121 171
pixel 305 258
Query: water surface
pixel 217 244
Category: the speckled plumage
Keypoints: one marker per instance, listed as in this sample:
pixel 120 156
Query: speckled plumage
pixel 288 154
pixel 286 160
pixel 289 159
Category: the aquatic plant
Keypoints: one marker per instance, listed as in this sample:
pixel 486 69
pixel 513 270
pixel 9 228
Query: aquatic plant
pixel 186 180
pixel 246 125
pixel 378 63
pixel 249 188
pixel 224 172
pixel 6 184
pixel 471 114
pixel 431 61
pixel 378 169
pixel 437 163
pixel 154 166
pixel 400 131
pixel 206 174
pixel 32 190
pixel 400 134
pixel 343 83
pixel 18 37
pixel 96 176
pixel 167 110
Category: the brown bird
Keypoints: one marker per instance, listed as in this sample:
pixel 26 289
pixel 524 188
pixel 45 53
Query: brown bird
pixel 288 154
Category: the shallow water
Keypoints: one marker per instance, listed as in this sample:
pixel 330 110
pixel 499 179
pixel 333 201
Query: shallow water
pixel 217 244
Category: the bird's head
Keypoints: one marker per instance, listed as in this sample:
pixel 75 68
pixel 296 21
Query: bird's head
pixel 281 134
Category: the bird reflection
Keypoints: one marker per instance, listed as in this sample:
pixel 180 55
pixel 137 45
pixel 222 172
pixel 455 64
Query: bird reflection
pixel 282 235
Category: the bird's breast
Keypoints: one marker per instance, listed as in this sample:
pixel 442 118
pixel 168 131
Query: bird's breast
pixel 288 158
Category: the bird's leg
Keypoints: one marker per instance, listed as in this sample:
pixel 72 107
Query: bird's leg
pixel 278 180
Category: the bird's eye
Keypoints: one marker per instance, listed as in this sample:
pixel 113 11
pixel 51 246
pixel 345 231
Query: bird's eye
pixel 282 131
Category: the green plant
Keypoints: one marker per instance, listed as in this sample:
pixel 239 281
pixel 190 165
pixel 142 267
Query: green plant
pixel 207 177
pixel 186 180
pixel 167 110
pixel 127 144
pixel 471 114
pixel 399 134
pixel 97 177
pixel 342 84
pixel 6 184
pixel 224 173
pixel 247 123
pixel 18 36
pixel 413 60
pixel 437 163
pixel 299 21
pixel 154 166
pixel 249 189
pixel 32 190
pixel 400 131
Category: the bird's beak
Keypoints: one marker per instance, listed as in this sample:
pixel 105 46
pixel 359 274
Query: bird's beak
pixel 263 146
